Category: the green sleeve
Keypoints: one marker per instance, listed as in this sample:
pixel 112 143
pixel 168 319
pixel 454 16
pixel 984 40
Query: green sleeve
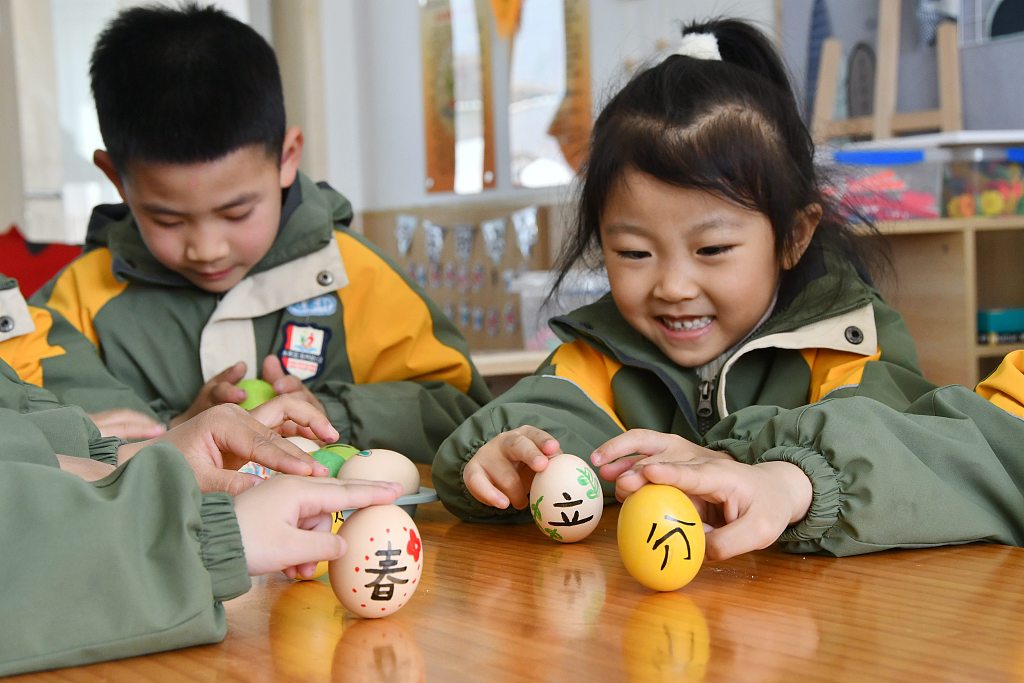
pixel 556 405
pixel 945 470
pixel 141 557
pixel 79 376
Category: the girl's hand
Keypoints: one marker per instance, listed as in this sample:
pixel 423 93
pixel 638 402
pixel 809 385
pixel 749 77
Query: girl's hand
pixel 220 440
pixel 291 416
pixel 287 385
pixel 286 521
pixel 501 472
pixel 620 453
pixel 748 506
pixel 220 389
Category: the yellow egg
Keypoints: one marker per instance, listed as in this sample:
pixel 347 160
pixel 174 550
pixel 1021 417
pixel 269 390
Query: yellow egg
pixel 661 537
pixel 321 567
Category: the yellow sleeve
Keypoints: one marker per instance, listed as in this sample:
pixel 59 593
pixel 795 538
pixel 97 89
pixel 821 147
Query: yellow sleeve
pixel 1005 386
pixel 389 328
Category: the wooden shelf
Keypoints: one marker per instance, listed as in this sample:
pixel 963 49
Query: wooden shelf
pixel 946 270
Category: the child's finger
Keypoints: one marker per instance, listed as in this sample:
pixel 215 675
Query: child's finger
pixel 527 447
pixel 479 484
pixel 328 495
pixel 302 548
pixel 612 470
pixel 635 441
pixel 743 535
pixel 281 409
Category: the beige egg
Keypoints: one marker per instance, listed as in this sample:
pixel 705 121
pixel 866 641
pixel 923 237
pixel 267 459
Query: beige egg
pixel 383 465
pixel 566 499
pixel 307 445
pixel 382 564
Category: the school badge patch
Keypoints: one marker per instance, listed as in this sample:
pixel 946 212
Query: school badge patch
pixel 304 349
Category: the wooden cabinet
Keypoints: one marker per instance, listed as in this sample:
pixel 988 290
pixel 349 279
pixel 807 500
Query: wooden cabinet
pixel 945 271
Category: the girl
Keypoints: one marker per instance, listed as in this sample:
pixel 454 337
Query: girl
pixel 735 282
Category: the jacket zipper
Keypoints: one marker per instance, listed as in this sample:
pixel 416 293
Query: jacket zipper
pixel 705 409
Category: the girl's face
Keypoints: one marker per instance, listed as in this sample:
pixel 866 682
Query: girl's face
pixel 690 271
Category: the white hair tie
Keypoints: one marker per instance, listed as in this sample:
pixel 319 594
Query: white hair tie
pixel 699 46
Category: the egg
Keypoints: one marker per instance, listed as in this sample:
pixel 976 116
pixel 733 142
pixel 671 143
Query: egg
pixel 661 537
pixel 566 499
pixel 257 392
pixel 333 456
pixel 380 464
pixel 382 564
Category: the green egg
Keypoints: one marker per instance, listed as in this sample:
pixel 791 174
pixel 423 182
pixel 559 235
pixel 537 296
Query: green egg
pixel 257 392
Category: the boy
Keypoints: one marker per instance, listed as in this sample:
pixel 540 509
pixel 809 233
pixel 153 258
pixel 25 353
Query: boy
pixel 225 261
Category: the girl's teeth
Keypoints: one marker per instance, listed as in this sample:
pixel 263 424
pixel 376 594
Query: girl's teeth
pixel 688 324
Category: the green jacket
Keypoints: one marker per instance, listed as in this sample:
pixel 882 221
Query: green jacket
pixel 390 369
pixel 829 335
pixel 136 562
pixel 44 349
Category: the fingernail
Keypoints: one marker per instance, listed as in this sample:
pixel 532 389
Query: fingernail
pixel 596 458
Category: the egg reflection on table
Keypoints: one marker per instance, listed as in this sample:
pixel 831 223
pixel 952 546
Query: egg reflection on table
pixel 382 564
pixel 566 499
pixel 661 537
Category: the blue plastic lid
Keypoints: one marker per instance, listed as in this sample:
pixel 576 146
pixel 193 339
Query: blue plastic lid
pixel 880 157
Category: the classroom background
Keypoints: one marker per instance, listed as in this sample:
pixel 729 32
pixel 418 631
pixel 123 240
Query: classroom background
pixel 456 127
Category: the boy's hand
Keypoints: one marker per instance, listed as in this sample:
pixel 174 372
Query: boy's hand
pixel 220 389
pixel 501 472
pixel 130 425
pixel 286 522
pixel 621 452
pixel 285 384
pixel 749 506
pixel 220 440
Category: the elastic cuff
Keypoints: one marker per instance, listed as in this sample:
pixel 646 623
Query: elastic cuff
pixel 105 449
pixel 826 496
pixel 220 542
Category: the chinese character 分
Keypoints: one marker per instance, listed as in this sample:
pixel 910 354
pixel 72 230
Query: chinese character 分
pixel 663 539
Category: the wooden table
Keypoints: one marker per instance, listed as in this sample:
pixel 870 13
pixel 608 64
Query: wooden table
pixel 504 603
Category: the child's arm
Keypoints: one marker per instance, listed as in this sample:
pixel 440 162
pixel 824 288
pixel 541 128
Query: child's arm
pixel 947 469
pixel 748 506
pixel 144 537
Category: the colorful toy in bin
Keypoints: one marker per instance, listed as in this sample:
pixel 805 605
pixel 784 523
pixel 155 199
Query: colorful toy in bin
pixel 990 183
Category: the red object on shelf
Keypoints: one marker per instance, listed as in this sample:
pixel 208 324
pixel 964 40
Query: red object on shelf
pixel 32 264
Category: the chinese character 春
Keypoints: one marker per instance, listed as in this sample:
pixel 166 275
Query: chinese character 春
pixel 386 568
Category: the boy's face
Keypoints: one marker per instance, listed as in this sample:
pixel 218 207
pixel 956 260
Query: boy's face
pixel 210 222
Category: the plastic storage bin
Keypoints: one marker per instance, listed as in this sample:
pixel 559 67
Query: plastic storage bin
pixel 984 181
pixel 890 184
pixel 536 308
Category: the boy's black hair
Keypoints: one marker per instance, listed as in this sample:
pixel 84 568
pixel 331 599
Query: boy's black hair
pixel 185 85
pixel 730 127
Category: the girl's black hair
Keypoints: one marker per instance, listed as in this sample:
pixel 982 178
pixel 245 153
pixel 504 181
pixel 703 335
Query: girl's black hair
pixel 730 127
pixel 185 85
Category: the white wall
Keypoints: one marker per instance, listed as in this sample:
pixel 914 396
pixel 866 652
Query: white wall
pixel 374 95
